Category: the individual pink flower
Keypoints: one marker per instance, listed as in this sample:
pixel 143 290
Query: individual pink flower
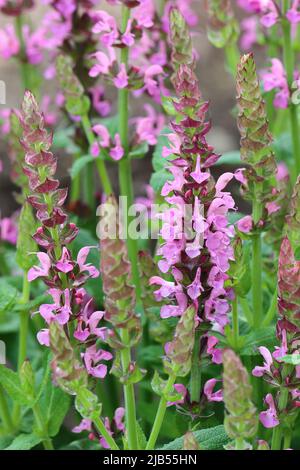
pixel 9 44
pixel 181 389
pixel 92 357
pixel 209 393
pixel 269 417
pixel 259 371
pixel 293 14
pixel 8 228
pixel 245 224
pixel 43 337
pixel 249 33
pixel 117 152
pixel 149 127
pixel 216 354
pixel 275 79
pixel 121 79
pixel 42 270
pixel 106 26
pixel 104 62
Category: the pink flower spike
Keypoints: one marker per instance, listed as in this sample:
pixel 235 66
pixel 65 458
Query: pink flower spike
pixel 269 417
pixel 43 270
pixel 121 80
pixel 208 391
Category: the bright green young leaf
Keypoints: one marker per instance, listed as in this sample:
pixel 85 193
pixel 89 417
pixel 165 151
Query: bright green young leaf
pixel 11 383
pixel 24 442
pixel 293 359
pixel 8 295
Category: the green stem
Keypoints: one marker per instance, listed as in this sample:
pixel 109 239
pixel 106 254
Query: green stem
pixel 129 395
pixel 104 178
pixel 75 186
pixel 42 428
pixel 23 334
pixel 125 173
pixel 235 322
pixel 289 61
pixel 195 381
pixel 256 281
pixel 246 310
pixel 287 440
pixel 4 413
pixel 103 431
pixel 239 443
pixel 25 72
pixel 160 413
pixel 277 432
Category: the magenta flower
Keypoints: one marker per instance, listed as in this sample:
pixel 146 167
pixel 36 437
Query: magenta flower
pixel 259 371
pixel 275 79
pixel 42 270
pixel 8 228
pixel 209 393
pixel 92 357
pixel 245 224
pixel 293 14
pixel 121 79
pixel 216 354
pixel 9 44
pixel 269 417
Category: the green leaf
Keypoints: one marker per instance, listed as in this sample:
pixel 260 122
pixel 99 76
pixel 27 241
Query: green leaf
pixel 142 440
pixel 8 295
pixel 167 104
pixel 208 439
pixel 24 442
pixel 230 158
pixel 159 178
pixel 79 164
pixel 58 408
pixel 26 244
pixel 87 404
pixel 293 359
pixel 62 139
pixel 264 336
pixel 158 161
pixel 140 151
pixel 11 382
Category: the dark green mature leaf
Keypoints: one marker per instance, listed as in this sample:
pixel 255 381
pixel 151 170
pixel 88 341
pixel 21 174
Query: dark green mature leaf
pixel 54 404
pixel 208 439
pixel 11 383
pixel 24 442
pixel 264 336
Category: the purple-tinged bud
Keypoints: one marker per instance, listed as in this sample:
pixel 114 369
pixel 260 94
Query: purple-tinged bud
pixel 182 49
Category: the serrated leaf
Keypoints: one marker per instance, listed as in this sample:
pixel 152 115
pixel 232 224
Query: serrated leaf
pixel 24 442
pixel 208 439
pixel 11 383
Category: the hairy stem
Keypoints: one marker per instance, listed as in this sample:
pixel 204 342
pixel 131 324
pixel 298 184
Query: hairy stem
pixel 195 381
pixel 277 431
pixel 103 431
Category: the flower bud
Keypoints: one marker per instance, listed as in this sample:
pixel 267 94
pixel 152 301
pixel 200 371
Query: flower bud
pixel 222 26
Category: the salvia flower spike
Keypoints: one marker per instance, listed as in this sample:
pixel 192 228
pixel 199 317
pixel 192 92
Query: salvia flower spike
pixel 182 48
pixel 241 418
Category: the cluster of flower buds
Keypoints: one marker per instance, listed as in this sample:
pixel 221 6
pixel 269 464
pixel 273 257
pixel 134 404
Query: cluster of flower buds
pixel 258 179
pixel 222 26
pixel 282 368
pixel 198 259
pixel 241 420
pixel 119 296
pixel 64 276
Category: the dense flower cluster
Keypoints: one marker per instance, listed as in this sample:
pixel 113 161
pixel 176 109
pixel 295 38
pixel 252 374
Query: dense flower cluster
pixel 64 276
